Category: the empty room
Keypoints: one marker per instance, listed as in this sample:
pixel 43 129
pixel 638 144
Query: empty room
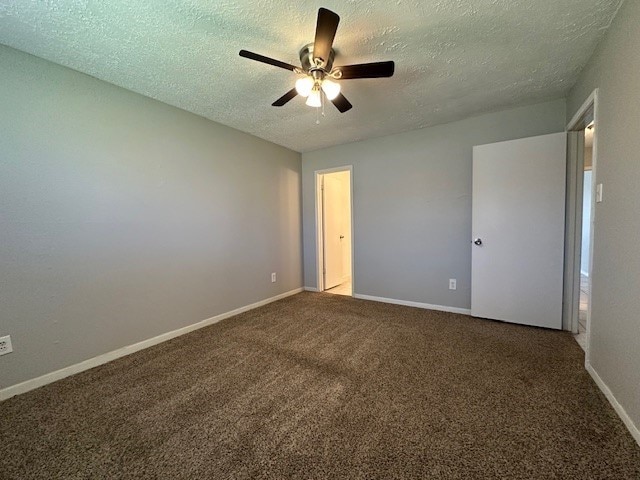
pixel 354 240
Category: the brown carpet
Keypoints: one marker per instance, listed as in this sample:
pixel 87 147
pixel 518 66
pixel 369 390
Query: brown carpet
pixel 319 386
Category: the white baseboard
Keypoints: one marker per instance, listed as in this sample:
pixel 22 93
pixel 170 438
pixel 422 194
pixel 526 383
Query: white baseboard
pixel 585 274
pixel 311 289
pixel 635 433
pixel 427 306
pixel 121 352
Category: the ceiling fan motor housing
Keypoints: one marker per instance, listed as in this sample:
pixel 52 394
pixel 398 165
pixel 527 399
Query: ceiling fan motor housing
pixel 309 64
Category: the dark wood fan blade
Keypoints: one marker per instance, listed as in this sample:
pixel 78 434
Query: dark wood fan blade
pixel 325 33
pixel 342 103
pixel 367 70
pixel 267 60
pixel 285 98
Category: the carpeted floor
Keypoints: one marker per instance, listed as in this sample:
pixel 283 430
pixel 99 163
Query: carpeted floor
pixel 321 386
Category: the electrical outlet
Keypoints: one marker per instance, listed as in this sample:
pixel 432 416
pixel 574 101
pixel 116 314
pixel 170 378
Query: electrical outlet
pixel 452 284
pixel 5 345
pixel 273 277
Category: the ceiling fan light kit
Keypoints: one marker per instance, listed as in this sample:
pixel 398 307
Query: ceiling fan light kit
pixel 320 78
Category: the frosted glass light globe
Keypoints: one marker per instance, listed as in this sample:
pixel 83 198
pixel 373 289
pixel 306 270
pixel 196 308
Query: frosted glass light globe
pixel 313 100
pixel 304 86
pixel 331 89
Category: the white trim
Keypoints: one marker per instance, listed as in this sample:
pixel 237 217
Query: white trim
pixel 626 419
pixel 408 303
pixel 311 289
pixel 591 102
pixel 318 178
pixel 570 287
pixel 318 174
pixel 129 349
pixel 582 272
pixel 342 168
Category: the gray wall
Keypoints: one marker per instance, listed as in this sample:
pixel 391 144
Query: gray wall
pixel 615 323
pixel 412 203
pixel 122 218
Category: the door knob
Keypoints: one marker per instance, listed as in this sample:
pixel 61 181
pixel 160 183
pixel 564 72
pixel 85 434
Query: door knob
pixel 477 241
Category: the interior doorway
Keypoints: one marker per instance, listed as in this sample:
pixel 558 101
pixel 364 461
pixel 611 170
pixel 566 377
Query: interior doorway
pixel 586 235
pixel 334 226
pixel 583 194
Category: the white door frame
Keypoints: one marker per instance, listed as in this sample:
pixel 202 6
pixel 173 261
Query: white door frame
pixel 575 174
pixel 320 227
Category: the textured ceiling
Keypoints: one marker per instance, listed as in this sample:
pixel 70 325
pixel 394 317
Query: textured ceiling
pixel 454 58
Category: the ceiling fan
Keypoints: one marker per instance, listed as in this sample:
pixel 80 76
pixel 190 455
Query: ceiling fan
pixel 317 70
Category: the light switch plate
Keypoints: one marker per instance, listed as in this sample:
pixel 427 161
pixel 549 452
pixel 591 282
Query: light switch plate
pixel 599 193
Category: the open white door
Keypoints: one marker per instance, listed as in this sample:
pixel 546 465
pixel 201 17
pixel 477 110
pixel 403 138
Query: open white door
pixel 518 230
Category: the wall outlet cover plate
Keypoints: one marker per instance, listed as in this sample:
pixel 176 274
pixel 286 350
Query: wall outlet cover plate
pixel 5 345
